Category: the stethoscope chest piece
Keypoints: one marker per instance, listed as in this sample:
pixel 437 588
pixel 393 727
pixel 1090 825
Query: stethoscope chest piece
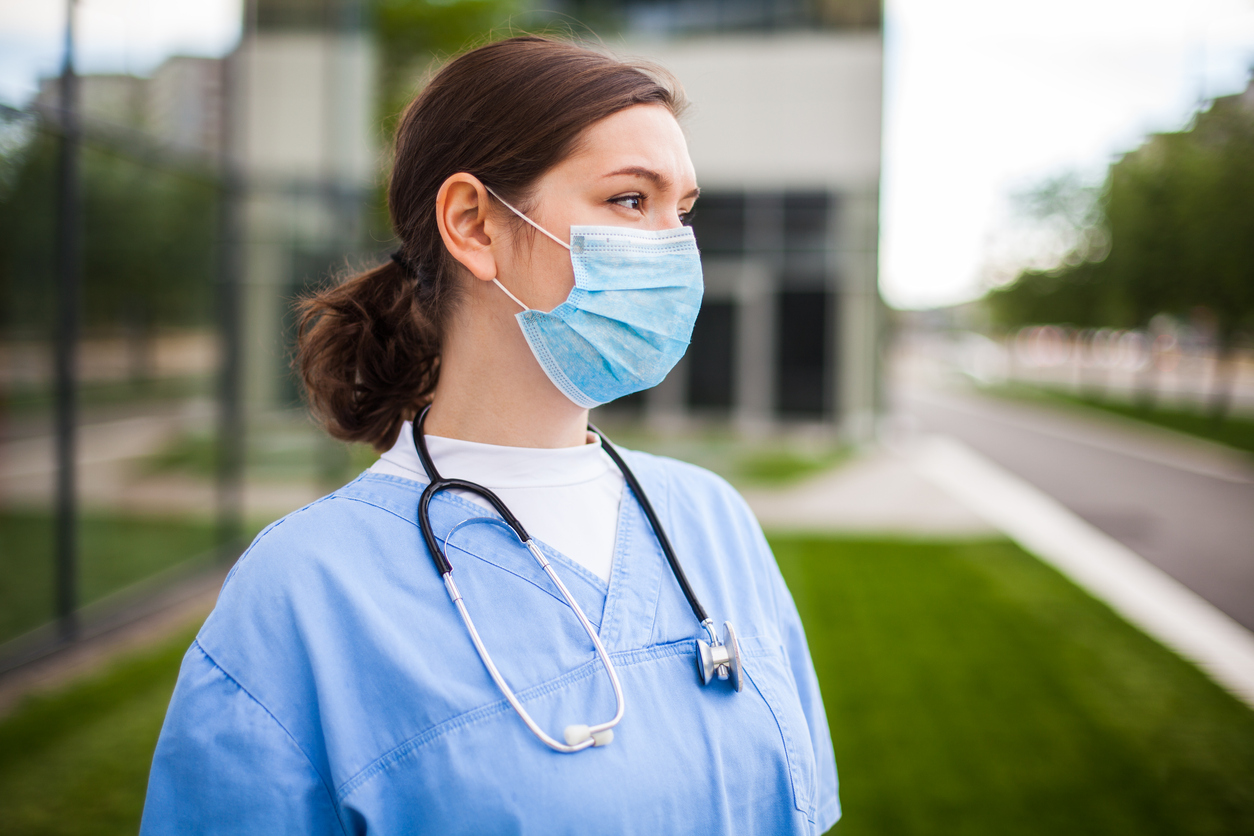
pixel 721 659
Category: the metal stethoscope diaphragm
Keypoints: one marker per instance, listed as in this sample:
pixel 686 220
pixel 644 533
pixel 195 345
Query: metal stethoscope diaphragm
pixel 716 659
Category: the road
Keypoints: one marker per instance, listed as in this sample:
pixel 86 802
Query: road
pixel 1184 505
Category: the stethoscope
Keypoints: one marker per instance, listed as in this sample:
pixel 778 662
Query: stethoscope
pixel 714 658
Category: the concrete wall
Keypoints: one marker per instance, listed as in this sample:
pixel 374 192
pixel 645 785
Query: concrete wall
pixel 780 111
pixel 771 114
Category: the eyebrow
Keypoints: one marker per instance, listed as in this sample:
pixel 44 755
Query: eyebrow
pixel 660 180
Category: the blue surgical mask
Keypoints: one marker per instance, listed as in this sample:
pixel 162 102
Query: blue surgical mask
pixel 629 317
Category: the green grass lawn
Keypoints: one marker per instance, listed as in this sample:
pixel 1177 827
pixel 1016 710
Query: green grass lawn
pixel 115 551
pixel 1234 431
pixel 77 762
pixel 970 690
pixel 973 690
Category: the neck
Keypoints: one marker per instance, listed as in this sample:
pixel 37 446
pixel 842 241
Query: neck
pixel 491 388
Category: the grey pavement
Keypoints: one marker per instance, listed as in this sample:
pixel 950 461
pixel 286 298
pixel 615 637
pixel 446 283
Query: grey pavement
pixel 879 493
pixel 1184 505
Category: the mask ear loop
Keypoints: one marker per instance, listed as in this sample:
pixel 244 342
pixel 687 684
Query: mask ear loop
pixel 496 281
pixel 528 220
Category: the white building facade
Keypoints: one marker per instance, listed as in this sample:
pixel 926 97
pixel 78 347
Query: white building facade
pixel 784 131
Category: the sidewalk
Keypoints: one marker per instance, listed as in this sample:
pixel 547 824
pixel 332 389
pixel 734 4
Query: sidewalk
pixel 879 493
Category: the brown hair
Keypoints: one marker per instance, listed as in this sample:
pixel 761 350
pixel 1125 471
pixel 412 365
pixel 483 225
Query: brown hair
pixel 368 349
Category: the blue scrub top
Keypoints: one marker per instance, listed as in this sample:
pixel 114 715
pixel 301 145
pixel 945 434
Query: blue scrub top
pixel 334 688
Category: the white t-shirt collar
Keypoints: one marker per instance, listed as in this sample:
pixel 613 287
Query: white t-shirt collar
pixel 496 466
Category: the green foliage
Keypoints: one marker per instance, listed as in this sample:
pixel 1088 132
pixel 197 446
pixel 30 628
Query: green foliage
pixel 38 398
pixel 969 689
pixel 783 466
pixel 1073 296
pixel 1177 216
pixel 148 241
pixel 747 464
pixel 414 33
pixel 277 452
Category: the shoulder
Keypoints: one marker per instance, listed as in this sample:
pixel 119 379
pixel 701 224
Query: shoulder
pixel 315 573
pixel 331 532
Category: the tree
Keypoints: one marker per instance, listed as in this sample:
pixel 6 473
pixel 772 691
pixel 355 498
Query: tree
pixel 1177 215
pixel 148 247
pixel 1218 220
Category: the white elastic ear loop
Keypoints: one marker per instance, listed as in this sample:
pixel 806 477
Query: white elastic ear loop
pixel 537 226
pixel 528 220
pixel 510 295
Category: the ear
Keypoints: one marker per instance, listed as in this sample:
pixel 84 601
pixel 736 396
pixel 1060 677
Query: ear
pixel 461 211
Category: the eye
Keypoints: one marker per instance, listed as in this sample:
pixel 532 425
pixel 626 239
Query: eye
pixel 629 201
pixel 685 218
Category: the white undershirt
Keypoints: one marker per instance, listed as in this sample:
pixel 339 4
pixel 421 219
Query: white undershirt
pixel 567 497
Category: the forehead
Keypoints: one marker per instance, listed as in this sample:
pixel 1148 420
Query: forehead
pixel 642 136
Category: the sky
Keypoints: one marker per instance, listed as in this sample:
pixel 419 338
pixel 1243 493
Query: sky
pixel 113 36
pixel 983 100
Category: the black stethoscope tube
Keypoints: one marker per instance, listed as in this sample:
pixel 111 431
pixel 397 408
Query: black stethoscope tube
pixel 438 483
pixel 656 524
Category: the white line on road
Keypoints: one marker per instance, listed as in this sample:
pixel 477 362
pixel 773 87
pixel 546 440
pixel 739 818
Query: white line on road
pixel 1136 589
pixel 1205 458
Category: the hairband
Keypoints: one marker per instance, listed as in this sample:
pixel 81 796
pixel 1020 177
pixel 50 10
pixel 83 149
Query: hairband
pixel 403 263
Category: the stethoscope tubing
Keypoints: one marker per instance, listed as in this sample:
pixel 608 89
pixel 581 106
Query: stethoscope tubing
pixel 656 525
pixel 591 735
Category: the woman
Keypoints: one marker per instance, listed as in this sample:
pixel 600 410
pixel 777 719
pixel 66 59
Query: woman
pixel 539 190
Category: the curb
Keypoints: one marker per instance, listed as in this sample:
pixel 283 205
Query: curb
pixel 1142 593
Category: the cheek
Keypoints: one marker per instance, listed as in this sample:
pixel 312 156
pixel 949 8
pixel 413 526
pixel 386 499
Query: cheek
pixel 552 276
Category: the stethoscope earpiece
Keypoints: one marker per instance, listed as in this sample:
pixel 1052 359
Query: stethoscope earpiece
pixel 721 659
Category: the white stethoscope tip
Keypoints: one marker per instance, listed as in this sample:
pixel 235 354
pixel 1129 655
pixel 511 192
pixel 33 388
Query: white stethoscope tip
pixel 578 733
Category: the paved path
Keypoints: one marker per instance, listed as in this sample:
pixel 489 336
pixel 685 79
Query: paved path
pixel 1184 505
pixel 879 493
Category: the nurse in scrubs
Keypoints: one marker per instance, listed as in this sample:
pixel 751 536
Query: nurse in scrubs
pixel 540 193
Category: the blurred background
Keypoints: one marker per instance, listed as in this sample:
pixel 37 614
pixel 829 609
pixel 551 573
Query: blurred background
pixel 1022 230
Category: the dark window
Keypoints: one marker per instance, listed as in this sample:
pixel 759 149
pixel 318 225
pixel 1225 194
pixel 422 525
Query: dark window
pixel 806 220
pixel 801 353
pixel 719 224
pixel 711 357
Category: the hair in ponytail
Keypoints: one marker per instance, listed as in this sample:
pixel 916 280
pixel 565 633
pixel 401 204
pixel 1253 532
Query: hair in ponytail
pixel 368 349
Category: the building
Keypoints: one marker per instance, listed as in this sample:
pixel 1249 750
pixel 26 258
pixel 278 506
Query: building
pixel 184 105
pixel 785 134
pixel 784 131
pixel 112 100
pixel 177 109
pixel 304 144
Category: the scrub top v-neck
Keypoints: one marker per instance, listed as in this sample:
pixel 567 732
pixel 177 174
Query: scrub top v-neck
pixel 334 689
